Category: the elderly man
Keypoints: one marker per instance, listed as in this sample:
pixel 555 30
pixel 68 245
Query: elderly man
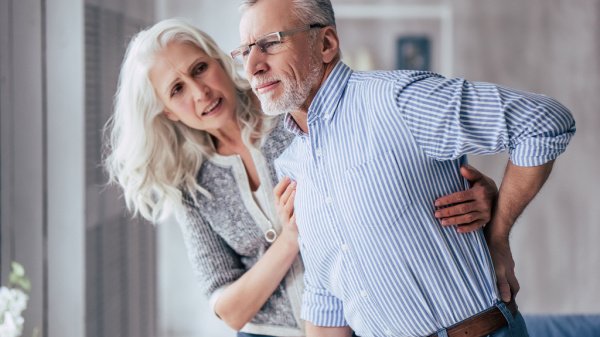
pixel 372 149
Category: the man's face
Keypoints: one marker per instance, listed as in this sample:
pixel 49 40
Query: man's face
pixel 285 79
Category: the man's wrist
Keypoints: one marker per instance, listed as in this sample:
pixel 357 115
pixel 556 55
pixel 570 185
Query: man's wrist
pixel 497 232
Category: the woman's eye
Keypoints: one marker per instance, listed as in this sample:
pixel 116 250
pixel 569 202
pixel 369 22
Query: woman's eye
pixel 177 89
pixel 200 68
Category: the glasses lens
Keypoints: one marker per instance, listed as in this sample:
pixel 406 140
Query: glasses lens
pixel 238 54
pixel 269 44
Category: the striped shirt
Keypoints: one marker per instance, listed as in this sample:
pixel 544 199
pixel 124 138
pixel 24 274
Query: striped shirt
pixel 381 147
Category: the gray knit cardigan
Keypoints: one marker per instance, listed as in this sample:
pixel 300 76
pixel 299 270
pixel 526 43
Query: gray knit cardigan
pixel 224 235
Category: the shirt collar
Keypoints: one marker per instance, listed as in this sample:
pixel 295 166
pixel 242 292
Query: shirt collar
pixel 326 100
pixel 291 125
pixel 328 97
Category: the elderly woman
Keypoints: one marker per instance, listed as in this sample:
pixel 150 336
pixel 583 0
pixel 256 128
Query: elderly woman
pixel 188 135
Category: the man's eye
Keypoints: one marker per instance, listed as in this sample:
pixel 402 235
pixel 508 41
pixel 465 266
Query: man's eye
pixel 269 44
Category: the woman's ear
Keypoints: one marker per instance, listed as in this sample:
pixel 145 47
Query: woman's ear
pixel 331 44
pixel 171 116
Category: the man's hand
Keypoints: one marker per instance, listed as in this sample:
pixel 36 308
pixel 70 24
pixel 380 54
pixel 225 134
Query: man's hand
pixel 471 209
pixel 504 265
pixel 519 186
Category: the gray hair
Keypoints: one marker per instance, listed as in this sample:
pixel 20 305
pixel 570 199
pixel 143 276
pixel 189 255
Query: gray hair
pixel 152 158
pixel 307 11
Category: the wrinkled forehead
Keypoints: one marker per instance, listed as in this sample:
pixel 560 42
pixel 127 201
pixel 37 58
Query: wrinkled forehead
pixel 266 16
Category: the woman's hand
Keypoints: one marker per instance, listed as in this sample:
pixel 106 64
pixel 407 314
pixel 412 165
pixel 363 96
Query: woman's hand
pixel 285 193
pixel 241 300
pixel 471 209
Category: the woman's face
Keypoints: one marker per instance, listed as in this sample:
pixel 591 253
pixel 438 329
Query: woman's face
pixel 194 87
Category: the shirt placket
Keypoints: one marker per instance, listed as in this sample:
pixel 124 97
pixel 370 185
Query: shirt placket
pixel 354 286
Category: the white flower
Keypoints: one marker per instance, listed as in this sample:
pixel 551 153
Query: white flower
pixel 12 304
pixel 4 300
pixel 8 327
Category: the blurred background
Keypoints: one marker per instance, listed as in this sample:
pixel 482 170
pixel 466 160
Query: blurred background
pixel 96 272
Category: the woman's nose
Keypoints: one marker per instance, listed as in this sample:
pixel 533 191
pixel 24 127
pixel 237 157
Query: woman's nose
pixel 200 90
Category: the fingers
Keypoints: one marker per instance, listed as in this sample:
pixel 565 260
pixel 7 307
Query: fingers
pixel 504 289
pixel 514 284
pixel 281 187
pixel 285 195
pixel 288 197
pixel 470 173
pixel 456 210
pixel 468 210
pixel 455 198
pixel 473 226
pixel 504 265
pixel 466 223
pixel 508 286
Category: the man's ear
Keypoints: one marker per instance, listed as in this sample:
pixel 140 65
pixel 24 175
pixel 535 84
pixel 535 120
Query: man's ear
pixel 171 116
pixel 331 44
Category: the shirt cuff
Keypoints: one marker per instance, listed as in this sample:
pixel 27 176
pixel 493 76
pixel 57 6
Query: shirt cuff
pixel 538 151
pixel 321 308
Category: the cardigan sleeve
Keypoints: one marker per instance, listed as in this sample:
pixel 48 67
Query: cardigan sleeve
pixel 215 264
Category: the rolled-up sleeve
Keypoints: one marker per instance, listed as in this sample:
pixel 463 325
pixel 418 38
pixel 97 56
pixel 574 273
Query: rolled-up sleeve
pixel 321 308
pixel 450 118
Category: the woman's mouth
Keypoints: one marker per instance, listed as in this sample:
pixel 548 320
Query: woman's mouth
pixel 211 109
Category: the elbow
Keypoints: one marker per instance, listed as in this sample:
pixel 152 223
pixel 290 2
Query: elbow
pixel 233 319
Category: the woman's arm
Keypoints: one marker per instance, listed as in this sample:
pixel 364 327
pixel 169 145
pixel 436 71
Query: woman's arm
pixel 242 299
pixel 319 331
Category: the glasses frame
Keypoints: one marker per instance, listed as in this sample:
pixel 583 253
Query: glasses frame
pixel 238 53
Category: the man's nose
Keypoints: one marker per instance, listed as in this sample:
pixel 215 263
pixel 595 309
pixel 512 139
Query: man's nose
pixel 255 62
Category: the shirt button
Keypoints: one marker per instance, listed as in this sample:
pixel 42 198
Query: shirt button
pixel 344 247
pixel 363 293
pixel 318 152
pixel 388 332
pixel 326 117
pixel 329 200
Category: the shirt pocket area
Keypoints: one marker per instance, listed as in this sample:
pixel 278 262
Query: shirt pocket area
pixel 374 192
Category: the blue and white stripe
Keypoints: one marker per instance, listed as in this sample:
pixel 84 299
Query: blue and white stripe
pixel 381 147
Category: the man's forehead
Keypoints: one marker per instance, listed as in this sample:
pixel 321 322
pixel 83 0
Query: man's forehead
pixel 263 18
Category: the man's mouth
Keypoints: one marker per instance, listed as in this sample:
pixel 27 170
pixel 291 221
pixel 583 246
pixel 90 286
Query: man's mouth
pixel 266 86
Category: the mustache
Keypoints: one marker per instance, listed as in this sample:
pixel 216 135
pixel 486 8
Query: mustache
pixel 260 81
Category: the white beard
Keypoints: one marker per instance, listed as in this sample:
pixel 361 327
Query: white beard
pixel 294 93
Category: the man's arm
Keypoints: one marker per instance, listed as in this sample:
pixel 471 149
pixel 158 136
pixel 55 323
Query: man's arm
pixel 319 331
pixel 518 187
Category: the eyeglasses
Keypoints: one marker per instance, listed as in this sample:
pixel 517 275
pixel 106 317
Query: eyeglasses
pixel 269 43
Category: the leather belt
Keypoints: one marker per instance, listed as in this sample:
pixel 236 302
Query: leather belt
pixel 481 324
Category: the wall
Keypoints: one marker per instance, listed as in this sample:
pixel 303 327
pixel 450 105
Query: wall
pixel 121 296
pixel 92 269
pixel 41 150
pixel 550 47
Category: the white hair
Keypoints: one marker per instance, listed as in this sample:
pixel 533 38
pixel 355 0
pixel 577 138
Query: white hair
pixel 154 159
